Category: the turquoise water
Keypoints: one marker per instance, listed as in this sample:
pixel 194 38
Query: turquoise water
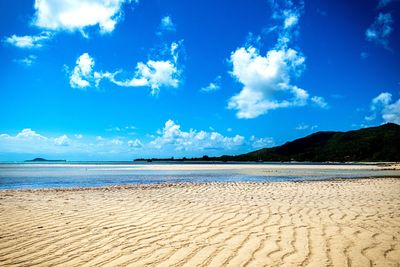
pixel 24 175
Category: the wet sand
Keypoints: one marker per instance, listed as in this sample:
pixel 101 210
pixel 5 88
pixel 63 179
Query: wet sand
pixel 321 223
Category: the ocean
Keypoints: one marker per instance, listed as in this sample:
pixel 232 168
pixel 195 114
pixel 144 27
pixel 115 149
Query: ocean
pixel 94 174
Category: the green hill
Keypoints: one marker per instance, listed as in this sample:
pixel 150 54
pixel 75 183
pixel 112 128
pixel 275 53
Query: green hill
pixel 380 143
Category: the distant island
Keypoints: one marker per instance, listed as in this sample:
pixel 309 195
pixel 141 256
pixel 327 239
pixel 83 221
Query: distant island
pixel 373 144
pixel 45 160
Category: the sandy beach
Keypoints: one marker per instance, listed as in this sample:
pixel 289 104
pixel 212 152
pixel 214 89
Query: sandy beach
pixel 320 223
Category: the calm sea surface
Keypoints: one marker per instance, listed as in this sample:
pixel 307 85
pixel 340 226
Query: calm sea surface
pixel 25 175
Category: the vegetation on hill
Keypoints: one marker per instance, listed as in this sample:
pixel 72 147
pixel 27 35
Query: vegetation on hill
pixel 380 143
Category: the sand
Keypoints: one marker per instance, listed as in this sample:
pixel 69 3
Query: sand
pixel 319 223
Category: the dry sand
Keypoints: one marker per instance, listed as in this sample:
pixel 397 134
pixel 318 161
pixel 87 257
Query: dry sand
pixel 322 223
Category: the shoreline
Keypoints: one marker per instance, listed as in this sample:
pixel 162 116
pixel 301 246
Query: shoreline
pixel 160 185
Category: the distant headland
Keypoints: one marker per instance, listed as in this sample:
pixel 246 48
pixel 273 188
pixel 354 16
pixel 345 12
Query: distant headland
pixel 373 144
pixel 45 160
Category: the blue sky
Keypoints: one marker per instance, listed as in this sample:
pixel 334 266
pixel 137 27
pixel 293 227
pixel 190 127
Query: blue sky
pixel 117 80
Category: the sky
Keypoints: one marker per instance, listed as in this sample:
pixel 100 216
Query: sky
pixel 125 79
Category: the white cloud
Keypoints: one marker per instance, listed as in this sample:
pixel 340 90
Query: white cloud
pixel 28 141
pixel 113 129
pixel 77 15
pixel 383 3
pixel 82 76
pixel 213 86
pixel 26 61
pixel 157 74
pixel 382 99
pixel 319 101
pixel 28 133
pixel 288 15
pixel 136 143
pixel 28 41
pixel 380 30
pixel 262 142
pixel 170 139
pixel 173 137
pixel 291 19
pixel 116 141
pixel 391 112
pixel 303 127
pixel 154 74
pixel 63 140
pixel 265 77
pixel 167 24
pixel 383 105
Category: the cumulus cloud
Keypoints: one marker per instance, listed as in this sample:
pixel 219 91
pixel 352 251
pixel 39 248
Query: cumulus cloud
pixel 82 75
pixel 63 140
pixel 212 86
pixel 380 30
pixel 77 15
pixel 167 24
pixel 154 74
pixel 267 79
pixel 172 136
pixel 384 106
pixel 264 78
pixel 28 133
pixel 29 41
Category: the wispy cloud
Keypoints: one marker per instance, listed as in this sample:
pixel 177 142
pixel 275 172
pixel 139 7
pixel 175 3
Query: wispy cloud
pixel 26 61
pixel 28 41
pixel 320 102
pixel 380 30
pixel 383 3
pixel 212 86
pixel 261 142
pixel 304 127
pixel 167 24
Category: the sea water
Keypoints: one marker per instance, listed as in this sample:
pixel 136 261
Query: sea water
pixel 93 174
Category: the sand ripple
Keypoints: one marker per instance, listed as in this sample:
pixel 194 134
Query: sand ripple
pixel 326 223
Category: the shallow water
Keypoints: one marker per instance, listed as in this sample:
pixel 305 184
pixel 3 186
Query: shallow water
pixel 23 175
